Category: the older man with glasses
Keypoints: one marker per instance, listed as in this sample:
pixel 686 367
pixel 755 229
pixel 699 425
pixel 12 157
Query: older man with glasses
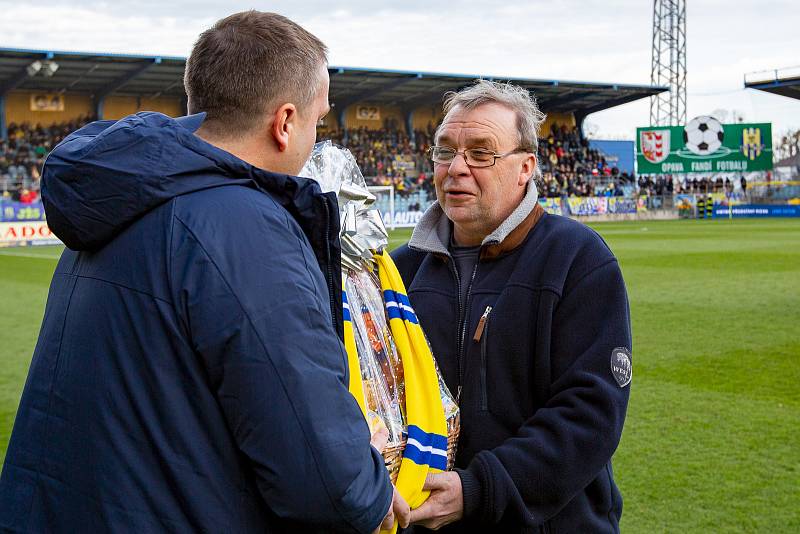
pixel 528 318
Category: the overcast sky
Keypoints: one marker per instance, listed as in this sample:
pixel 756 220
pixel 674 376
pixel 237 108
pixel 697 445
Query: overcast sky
pixel 590 40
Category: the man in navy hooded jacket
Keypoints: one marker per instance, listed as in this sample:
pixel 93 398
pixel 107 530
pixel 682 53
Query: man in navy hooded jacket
pixel 188 375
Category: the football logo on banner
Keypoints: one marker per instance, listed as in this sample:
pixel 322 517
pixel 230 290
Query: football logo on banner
pixel 703 135
pixel 655 145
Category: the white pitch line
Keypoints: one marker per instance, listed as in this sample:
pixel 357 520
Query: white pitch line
pixel 29 255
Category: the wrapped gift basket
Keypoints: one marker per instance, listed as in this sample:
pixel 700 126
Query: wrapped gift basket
pixel 363 237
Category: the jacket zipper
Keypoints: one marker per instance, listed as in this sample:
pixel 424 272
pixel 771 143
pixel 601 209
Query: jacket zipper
pixel 329 266
pixel 460 313
pixel 482 324
pixel 482 336
pixel 464 319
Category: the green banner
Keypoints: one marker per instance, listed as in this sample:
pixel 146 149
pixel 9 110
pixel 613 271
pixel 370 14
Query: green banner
pixel 704 145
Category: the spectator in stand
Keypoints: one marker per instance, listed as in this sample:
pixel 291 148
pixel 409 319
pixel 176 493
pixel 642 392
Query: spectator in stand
pixel 27 196
pixel 5 177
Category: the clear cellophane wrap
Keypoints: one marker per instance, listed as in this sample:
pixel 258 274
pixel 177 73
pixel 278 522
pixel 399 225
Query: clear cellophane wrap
pixel 363 233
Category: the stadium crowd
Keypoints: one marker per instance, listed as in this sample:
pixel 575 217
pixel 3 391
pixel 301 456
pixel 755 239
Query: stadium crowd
pixel 705 185
pixel 22 156
pixel 571 168
pixel 389 157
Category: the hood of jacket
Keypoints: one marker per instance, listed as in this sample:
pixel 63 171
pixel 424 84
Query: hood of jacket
pixel 106 175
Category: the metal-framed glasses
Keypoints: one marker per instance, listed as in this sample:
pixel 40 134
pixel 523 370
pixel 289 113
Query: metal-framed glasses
pixel 475 157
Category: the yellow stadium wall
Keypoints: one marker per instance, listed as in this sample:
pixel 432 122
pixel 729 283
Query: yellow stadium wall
pixel 557 118
pixel 18 109
pixel 419 119
pixel 423 116
pixel 331 122
pixel 117 107
pixel 433 114
pixel 386 112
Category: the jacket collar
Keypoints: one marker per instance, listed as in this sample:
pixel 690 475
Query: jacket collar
pixel 432 233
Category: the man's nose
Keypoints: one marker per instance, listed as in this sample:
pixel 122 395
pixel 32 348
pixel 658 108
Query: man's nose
pixel 458 166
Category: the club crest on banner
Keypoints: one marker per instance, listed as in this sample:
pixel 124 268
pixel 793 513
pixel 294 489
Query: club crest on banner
pixel 751 143
pixel 655 145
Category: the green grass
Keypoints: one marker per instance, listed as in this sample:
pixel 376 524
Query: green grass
pixel 712 439
pixel 711 442
pixel 24 278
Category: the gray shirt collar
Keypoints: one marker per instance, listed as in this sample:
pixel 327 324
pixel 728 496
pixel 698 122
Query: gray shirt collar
pixel 432 233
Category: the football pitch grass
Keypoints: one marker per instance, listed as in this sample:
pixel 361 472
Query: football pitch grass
pixel 712 438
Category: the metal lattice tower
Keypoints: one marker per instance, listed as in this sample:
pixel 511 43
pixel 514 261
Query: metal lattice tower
pixel 668 66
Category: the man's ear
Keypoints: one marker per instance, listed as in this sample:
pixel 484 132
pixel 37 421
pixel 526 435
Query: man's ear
pixel 283 124
pixel 526 171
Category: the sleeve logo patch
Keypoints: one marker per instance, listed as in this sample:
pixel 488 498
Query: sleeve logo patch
pixel 621 366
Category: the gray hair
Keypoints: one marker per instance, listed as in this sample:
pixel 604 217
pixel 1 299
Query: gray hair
pixel 514 97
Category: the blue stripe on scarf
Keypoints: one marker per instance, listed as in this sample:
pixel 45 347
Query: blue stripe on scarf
pixel 345 307
pixel 399 307
pixel 423 448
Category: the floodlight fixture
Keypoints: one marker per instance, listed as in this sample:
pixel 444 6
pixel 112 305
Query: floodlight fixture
pixel 34 68
pixel 50 68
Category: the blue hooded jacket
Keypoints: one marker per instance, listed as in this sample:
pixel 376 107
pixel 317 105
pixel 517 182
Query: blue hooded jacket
pixel 188 376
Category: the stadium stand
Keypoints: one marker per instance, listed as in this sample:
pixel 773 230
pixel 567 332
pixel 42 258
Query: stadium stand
pixel 23 153
pixel 571 168
pixel 386 156
pixel 385 117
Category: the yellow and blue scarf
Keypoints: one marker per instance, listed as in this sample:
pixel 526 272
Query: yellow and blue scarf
pixel 356 386
pixel 426 448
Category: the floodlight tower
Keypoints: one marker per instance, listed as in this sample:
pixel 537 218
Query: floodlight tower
pixel 668 67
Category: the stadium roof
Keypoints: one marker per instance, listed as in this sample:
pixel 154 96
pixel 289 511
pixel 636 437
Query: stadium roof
pixel 414 89
pixel 103 74
pixel 93 74
pixel 784 82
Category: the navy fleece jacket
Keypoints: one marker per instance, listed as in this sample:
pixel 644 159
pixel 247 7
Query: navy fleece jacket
pixel 541 410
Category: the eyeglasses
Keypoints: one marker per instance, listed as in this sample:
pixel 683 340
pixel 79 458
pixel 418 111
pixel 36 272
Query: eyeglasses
pixel 474 157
